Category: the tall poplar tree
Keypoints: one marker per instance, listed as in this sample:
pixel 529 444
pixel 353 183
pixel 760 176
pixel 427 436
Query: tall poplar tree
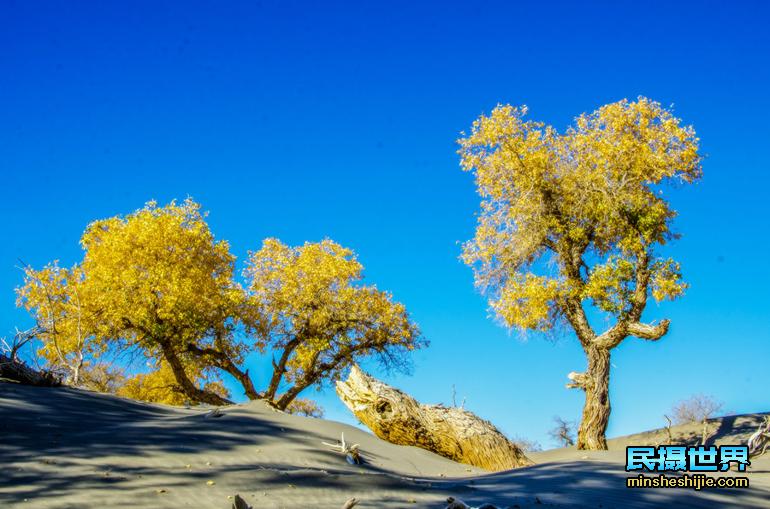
pixel 578 219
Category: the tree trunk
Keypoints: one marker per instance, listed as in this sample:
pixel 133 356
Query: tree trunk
pixel 279 368
pixel 596 411
pixel 450 432
pixel 185 384
pixel 287 397
pixel 222 361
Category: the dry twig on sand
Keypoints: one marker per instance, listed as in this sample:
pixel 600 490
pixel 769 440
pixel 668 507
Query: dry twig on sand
pixel 213 414
pixel 239 503
pixel 351 452
pixel 350 503
pixel 456 503
pixel 759 441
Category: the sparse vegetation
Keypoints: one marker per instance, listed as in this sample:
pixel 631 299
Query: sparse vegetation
pixel 697 409
pixel 305 407
pixel 669 432
pixel 563 432
pixel 527 445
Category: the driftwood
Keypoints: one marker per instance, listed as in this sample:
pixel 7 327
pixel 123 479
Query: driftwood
pixel 450 432
pixel 17 371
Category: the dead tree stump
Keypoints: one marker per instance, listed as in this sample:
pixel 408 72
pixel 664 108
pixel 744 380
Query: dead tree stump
pixel 453 432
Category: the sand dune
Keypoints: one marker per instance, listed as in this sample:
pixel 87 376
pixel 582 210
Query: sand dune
pixel 67 448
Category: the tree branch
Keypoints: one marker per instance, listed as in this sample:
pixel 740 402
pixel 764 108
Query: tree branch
pixel 639 297
pixel 225 363
pixel 280 368
pixel 577 380
pixel 620 331
pixel 647 331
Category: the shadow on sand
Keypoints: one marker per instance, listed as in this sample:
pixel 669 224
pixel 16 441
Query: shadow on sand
pixel 70 440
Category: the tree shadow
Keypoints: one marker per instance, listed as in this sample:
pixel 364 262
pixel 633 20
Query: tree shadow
pixel 68 444
pixel 734 429
pixel 72 423
pixel 594 484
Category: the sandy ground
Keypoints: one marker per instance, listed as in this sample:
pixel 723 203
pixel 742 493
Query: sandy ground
pixel 67 448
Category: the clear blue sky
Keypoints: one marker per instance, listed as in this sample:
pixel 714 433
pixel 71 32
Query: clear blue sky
pixel 304 121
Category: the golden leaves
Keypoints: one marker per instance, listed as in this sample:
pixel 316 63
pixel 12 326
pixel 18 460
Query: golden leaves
pixel 610 285
pixel 526 302
pixel 311 293
pixel 159 385
pixel 667 280
pixel 160 272
pixel 552 201
pixel 157 283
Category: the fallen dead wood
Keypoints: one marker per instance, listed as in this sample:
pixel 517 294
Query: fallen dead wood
pixel 240 503
pixel 350 503
pixel 759 441
pixel 450 432
pixel 456 503
pixel 17 371
pixel 351 452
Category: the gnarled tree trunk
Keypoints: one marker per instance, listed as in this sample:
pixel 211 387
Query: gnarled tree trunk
pixel 596 410
pixel 185 384
pixel 450 432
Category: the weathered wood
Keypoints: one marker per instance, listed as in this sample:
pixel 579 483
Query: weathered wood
pixel 16 370
pixel 453 433
pixel 456 503
pixel 240 503
pixel 350 503
pixel 351 452
pixel 759 441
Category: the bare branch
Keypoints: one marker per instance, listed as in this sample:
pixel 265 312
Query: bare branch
pixel 577 380
pixel 647 331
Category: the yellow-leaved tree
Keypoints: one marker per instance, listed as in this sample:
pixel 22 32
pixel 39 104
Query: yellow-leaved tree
pixel 576 218
pixel 160 384
pixel 157 285
pixel 67 326
pixel 316 318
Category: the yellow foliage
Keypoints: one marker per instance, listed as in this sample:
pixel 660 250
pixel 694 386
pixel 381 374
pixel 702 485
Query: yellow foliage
pixel 160 275
pixel 156 283
pixel 316 316
pixel 576 215
pixel 610 285
pixel 59 300
pixel 667 280
pixel 160 385
pixel 528 300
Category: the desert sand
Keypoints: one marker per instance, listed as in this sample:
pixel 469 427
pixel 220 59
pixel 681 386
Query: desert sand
pixel 69 448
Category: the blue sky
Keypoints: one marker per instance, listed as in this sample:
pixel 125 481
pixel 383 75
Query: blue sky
pixel 312 120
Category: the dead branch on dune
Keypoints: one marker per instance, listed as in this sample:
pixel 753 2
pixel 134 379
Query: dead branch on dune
pixel 456 503
pixel 453 433
pixel 239 503
pixel 759 441
pixel 351 452
pixel 350 503
pixel 13 368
